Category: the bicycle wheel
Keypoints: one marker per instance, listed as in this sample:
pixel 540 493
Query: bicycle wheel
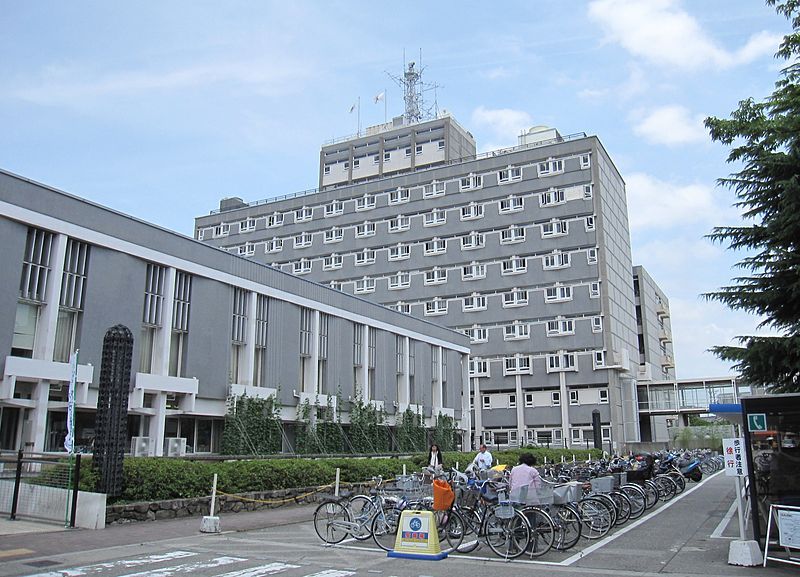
pixel 596 517
pixel 362 509
pixel 651 491
pixel 666 487
pixel 609 503
pixel 679 479
pixel 384 528
pixel 568 526
pixel 472 530
pixel 507 537
pixel 451 527
pixel 638 499
pixel 543 531
pixel 623 505
pixel 331 522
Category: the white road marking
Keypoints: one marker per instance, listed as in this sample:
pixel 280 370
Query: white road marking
pixel 332 573
pixel 187 567
pixel 717 534
pixel 125 563
pixel 269 569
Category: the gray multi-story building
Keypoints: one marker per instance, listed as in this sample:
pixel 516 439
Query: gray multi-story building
pixel 208 326
pixel 526 250
pixel 656 358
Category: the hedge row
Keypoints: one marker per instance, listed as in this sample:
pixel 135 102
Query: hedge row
pixel 158 479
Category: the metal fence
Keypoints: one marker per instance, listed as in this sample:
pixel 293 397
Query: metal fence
pixel 39 486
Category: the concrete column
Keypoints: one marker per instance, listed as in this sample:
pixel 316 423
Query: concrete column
pixel 365 363
pixel 46 329
pixel 406 392
pixel 249 359
pixel 164 334
pixel 38 427
pixel 562 378
pixel 466 413
pixel 520 411
pixel 313 386
pixel 478 403
pixel 436 392
pixel 158 423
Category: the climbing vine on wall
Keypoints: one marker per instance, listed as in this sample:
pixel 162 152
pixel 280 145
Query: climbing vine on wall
pixel 444 433
pixel 368 432
pixel 252 426
pixel 319 428
pixel 411 432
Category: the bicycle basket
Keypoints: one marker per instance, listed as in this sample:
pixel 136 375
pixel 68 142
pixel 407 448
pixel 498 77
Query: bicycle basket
pixel 504 510
pixel 544 495
pixel 602 484
pixel 566 493
pixel 443 495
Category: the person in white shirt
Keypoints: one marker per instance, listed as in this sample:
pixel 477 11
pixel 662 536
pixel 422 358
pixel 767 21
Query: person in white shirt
pixel 525 475
pixel 483 460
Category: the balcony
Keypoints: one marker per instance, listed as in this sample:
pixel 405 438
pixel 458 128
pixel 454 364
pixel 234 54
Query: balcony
pixel 236 390
pixel 667 361
pixel 445 412
pixel 317 399
pixel 23 369
pixel 401 408
pixel 661 310
pixel 664 336
pixel 184 389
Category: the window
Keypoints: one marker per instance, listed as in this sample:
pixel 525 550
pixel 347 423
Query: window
pixel 398 196
pixel 555 228
pixel 512 235
pixel 605 433
pixel 435 307
pixel 332 262
pixel 511 204
pixel 418 149
pixel 478 367
pixel 509 174
pixel 201 233
pixel 512 401
pixel 436 217
pixel 333 235
pixel 326 170
pixel 334 208
pixel 529 404
pixel 487 402
pixel 550 167
pixel 556 260
pixel 576 435
pixel 562 362
pixel 303 266
pixel 366 202
pixel 399 223
pixel 515 298
pixel 303 214
pixel 387 156
pixel 302 240
pixel 597 324
pixel 274 245
pixel 514 265
pixel 552 197
pixel 376 159
pixel 441 145
pixel 587 191
pixel 472 212
pixel 433 189
pixel 470 182
pixel 557 294
pixel 365 229
pixel 247 225
pixel 560 327
pixel 247 249
pixel 356 163
pixel 591 256
pixel 365 257
pixel 555 399
pixel 399 252
pixel 573 397
pixel 603 395
pixel 435 276
pixel 408 152
pixel 221 230
pixel 346 166
pixel 477 334
pixel 589 223
pixel 473 271
pixel 364 285
pixel 435 246
pixel 516 332
pixel 274 219
pixel 474 303
pixel 586 160
pixel 518 365
pixel 402 307
pixel 473 241
pixel 399 281
pixel 599 358
pixel 594 290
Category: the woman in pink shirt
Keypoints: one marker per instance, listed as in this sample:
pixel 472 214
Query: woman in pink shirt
pixel 525 475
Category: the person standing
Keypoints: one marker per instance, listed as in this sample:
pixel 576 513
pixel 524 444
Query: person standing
pixel 435 458
pixel 525 475
pixel 483 460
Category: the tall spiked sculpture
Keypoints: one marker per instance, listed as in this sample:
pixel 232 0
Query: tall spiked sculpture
pixel 112 408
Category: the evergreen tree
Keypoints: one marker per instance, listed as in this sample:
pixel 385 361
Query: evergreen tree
pixel 765 138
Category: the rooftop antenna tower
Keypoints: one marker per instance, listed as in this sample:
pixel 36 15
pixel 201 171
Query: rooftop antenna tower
pixel 413 92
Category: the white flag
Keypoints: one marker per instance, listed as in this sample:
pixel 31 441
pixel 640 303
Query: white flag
pixel 69 440
pixel 379 97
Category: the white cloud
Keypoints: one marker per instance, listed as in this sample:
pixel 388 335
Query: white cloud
pixel 504 124
pixel 656 204
pixel 661 32
pixel 671 125
pixel 676 255
pixel 498 73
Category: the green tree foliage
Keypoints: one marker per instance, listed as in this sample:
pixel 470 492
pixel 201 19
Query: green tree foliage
pixel 252 427
pixel 764 137
pixel 319 431
pixel 445 432
pixel 368 432
pixel 411 432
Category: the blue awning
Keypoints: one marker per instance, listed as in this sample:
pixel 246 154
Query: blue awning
pixel 731 412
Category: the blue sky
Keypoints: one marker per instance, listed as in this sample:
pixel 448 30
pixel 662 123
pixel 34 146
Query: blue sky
pixel 160 109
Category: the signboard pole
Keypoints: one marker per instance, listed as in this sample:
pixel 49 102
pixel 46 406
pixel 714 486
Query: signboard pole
pixel 742 552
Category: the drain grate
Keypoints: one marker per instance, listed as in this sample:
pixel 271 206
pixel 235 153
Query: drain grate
pixel 43 563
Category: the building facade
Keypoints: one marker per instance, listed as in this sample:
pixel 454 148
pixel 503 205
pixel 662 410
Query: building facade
pixel 525 250
pixel 208 326
pixel 656 358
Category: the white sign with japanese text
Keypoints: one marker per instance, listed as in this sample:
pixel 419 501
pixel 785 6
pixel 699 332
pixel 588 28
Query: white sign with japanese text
pixel 735 461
